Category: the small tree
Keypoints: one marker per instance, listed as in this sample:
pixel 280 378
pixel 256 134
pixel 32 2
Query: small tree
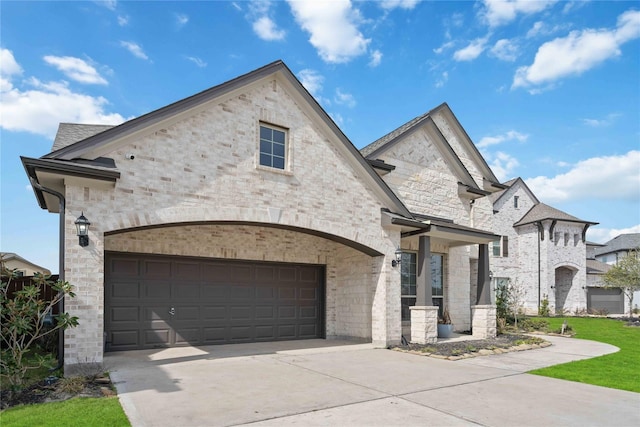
pixel 25 318
pixel 517 295
pixel 625 275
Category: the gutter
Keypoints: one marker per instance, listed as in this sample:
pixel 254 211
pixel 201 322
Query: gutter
pixel 61 198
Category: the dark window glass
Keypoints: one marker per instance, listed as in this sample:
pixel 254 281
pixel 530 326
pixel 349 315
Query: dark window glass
pixel 437 279
pixel 505 246
pixel 272 147
pixel 408 283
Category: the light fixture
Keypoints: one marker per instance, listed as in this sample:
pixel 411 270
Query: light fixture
pixel 490 275
pixel 396 262
pixel 82 225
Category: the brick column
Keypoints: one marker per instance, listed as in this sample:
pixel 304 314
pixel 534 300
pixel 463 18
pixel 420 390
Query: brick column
pixel 424 324
pixel 483 321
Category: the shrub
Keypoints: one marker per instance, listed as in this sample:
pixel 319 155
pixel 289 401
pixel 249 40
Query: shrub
pixel 534 324
pixel 22 324
pixel 544 307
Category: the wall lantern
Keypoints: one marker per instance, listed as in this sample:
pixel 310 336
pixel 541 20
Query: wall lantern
pixel 490 275
pixel 82 225
pixel 396 262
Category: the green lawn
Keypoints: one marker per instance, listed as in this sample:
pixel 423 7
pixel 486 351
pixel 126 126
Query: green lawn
pixel 619 370
pixel 83 411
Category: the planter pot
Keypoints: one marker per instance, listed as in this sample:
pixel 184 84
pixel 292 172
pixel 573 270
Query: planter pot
pixel 445 331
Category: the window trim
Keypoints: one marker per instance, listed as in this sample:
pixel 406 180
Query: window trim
pixel 286 170
pixel 502 245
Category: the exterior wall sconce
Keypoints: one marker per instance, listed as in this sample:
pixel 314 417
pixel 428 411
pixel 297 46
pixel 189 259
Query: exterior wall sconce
pixel 82 226
pixel 396 262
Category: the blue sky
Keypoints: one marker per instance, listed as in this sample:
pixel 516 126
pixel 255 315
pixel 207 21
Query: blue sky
pixel 548 90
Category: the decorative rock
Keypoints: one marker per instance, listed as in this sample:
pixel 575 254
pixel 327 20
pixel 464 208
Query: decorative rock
pixel 106 391
pixel 485 352
pixel 103 380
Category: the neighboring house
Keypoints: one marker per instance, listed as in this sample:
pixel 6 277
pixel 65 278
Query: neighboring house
pixel 541 249
pixel 22 267
pixel 615 249
pixel 243 214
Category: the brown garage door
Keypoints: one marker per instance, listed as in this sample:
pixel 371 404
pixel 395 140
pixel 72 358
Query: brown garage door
pixel 609 300
pixel 160 301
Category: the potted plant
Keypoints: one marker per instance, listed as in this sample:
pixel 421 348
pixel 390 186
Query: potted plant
pixel 445 328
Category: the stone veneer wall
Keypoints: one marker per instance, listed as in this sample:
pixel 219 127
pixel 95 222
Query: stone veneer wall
pixel 203 167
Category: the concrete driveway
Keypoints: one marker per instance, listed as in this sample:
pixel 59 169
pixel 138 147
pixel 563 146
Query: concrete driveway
pixel 320 383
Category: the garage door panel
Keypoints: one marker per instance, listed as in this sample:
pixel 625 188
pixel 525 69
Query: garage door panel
pixel 154 337
pixel 184 290
pixel 128 339
pixel 215 292
pixel 188 270
pixel 125 290
pixel 156 290
pixel 214 313
pixel 156 269
pixel 123 267
pixel 125 314
pixel 609 300
pixel 214 301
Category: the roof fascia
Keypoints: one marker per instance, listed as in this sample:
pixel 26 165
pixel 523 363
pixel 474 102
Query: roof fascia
pixel 444 147
pixel 573 221
pixel 352 152
pixel 138 125
pixel 524 185
pixel 493 182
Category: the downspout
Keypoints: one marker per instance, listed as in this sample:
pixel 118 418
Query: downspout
pixel 60 265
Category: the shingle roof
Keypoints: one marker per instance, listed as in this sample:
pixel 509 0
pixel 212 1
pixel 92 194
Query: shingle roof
pixel 597 267
pixel 623 242
pixel 393 134
pixel 70 133
pixel 541 212
pixel 495 196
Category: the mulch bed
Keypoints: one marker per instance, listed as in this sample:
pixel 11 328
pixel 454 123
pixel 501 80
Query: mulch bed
pixel 458 350
pixel 45 391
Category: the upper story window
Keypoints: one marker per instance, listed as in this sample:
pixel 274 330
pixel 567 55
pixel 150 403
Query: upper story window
pixel 501 247
pixel 272 147
pixel 515 202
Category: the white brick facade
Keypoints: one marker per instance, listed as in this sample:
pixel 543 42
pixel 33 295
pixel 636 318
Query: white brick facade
pixel 191 185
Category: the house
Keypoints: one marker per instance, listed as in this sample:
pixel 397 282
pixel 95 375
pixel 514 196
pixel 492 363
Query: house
pixel 610 253
pixel 542 250
pixel 244 214
pixel 22 267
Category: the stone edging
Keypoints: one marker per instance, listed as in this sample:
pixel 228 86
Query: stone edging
pixel 481 352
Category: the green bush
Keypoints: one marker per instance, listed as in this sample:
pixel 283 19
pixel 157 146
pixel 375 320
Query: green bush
pixel 534 324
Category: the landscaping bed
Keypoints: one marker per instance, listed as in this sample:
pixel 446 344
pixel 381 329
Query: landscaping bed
pixel 58 389
pixel 457 350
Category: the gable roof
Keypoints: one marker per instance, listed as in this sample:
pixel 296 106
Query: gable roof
pixel 597 267
pixel 7 256
pixel 542 212
pixel 70 133
pixel 490 182
pixel 98 144
pixel 623 242
pixel 495 197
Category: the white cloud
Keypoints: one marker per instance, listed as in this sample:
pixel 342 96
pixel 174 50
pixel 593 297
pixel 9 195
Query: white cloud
pixel 311 80
pixel 503 165
pixel 8 65
pixel 505 50
pixel 607 177
pixel 333 27
pixel 607 121
pixel 40 108
pixel 402 4
pixel 376 58
pixel 344 98
pixel 181 19
pixel 511 135
pixel 76 69
pixel 199 62
pixel 499 12
pixel 578 52
pixel 603 235
pixel 444 77
pixel 123 20
pixel 135 49
pixel 471 51
pixel 109 4
pixel 236 5
pixel 266 29
pixel 444 46
pixel 263 25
